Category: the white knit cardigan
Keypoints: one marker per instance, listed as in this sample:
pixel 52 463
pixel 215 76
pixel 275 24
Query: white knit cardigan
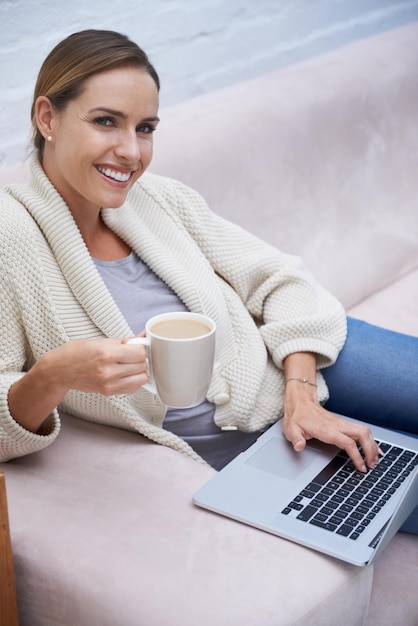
pixel 265 304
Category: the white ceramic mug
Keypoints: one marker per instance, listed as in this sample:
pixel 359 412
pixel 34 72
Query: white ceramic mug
pixel 181 351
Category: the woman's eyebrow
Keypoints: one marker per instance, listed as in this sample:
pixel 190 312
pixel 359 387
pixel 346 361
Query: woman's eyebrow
pixel 120 114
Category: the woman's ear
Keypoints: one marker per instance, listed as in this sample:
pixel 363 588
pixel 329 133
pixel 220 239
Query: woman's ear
pixel 45 115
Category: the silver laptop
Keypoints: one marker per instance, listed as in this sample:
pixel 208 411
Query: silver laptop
pixel 316 497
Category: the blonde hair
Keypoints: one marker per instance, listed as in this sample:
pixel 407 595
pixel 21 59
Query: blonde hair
pixel 76 58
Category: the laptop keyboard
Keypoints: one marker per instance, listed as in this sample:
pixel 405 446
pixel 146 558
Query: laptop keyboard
pixel 343 500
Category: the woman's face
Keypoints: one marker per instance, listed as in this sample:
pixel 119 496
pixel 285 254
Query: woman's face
pixel 102 142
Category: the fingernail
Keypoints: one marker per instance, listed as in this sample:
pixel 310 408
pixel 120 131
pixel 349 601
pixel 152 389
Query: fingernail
pixel 363 468
pixel 380 452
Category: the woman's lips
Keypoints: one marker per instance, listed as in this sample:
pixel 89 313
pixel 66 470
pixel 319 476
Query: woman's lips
pixel 116 175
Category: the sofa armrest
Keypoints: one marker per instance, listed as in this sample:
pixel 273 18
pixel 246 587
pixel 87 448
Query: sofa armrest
pixel 8 603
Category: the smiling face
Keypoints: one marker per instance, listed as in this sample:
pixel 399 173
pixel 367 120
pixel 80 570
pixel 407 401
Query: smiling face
pixel 102 141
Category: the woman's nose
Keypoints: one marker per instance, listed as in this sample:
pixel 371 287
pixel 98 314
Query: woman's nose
pixel 128 146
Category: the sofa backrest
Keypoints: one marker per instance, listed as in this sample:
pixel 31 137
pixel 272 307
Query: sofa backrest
pixel 17 173
pixel 319 159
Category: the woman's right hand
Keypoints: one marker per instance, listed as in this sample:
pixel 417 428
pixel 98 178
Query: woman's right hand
pixel 104 366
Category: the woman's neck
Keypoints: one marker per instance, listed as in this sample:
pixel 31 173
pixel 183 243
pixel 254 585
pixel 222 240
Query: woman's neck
pixel 102 243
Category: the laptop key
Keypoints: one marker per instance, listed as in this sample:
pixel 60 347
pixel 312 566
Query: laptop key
pixel 351 501
pixel 296 506
pixel 307 494
pixel 363 510
pixel 396 451
pixel 324 525
pixel 327 511
pixel 341 514
pixel 333 503
pixel 345 530
pixel 329 471
pixel 313 487
pixel 307 513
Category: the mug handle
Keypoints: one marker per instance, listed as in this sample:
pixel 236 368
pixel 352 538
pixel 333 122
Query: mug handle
pixel 144 341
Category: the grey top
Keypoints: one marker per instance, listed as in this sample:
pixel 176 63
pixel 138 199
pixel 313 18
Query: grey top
pixel 140 294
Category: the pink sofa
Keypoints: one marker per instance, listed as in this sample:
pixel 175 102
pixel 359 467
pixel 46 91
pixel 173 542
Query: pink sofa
pixel 320 159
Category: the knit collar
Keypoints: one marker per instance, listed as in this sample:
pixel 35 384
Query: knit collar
pixel 58 226
pixel 153 231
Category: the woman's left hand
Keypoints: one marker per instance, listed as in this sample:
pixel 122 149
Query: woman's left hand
pixel 306 419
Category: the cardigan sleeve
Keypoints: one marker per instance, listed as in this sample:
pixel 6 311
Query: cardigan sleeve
pixel 292 311
pixel 14 439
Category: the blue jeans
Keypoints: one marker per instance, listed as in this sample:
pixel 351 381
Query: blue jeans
pixel 375 379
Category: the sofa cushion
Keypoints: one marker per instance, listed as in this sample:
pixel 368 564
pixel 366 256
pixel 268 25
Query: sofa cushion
pixel 394 598
pixel 394 307
pixel 104 532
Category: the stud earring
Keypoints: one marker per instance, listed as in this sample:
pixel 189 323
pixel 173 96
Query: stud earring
pixel 49 138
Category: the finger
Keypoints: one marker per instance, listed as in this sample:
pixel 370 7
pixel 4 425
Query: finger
pixel 132 353
pixel 124 370
pixel 354 453
pixel 294 434
pixel 125 385
pixel 349 435
pixel 351 447
pixel 370 449
pixel 362 435
pixel 126 340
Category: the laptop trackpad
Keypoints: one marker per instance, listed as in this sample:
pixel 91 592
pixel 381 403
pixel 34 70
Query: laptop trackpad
pixel 278 457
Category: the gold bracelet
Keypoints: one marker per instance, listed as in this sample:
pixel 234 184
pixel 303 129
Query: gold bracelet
pixel 301 380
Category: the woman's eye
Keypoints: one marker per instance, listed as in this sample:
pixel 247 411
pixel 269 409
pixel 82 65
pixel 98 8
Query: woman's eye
pixel 103 121
pixel 146 129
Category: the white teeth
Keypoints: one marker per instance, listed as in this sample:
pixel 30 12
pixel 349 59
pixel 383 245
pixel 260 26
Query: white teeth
pixel 122 178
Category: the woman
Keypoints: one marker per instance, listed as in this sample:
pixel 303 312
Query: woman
pixel 93 247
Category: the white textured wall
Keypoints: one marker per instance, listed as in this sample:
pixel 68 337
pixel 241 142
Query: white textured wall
pixel 196 45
